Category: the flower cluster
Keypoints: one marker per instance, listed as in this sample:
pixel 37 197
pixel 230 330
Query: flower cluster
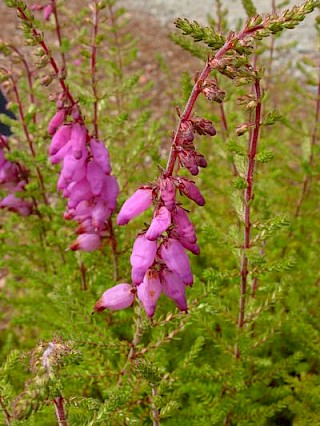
pixel 85 178
pixel 12 180
pixel 159 262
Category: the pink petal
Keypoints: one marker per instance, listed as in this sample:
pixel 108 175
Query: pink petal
pixel 135 205
pixel 160 223
pixel 149 291
pixel 120 296
pixel 142 257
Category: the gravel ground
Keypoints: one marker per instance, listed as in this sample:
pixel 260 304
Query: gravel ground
pixel 165 11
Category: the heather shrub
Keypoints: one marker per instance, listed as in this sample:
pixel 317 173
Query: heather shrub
pixel 150 275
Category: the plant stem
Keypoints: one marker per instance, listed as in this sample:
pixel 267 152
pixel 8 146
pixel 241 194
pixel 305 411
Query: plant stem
pixel 38 36
pixel 6 414
pixel 196 90
pixel 60 411
pixel 248 196
pixel 95 22
pixel 58 31
pixel 29 78
pixel 29 140
pixel 155 411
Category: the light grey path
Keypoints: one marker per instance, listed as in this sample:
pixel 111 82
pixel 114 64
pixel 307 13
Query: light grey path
pixel 167 10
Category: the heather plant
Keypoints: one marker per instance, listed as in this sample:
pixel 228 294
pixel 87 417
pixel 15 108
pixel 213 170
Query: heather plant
pixel 223 225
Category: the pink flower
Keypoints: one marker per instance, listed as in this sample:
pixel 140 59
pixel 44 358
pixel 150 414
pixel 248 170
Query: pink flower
pixel 120 296
pixel 167 192
pixel 160 223
pixel 174 288
pixel 100 155
pixel 135 205
pixel 142 257
pixel 78 140
pixel 86 242
pixel 56 121
pixel 95 176
pixel 47 12
pixel 17 205
pixel 149 291
pixel 183 225
pixel 60 139
pixel 176 259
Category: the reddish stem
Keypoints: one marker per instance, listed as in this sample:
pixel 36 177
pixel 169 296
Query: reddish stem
pixel 248 196
pixel 95 21
pixel 60 411
pixel 210 65
pixel 52 61
pixel 29 140
pixel 58 31
pixel 29 78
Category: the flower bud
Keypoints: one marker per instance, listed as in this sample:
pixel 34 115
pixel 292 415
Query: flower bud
pixel 149 291
pixel 200 160
pixel 135 205
pixel 120 296
pixel 187 160
pixel 142 257
pixel 203 126
pixel 176 259
pixel 188 188
pixel 174 288
pixel 160 223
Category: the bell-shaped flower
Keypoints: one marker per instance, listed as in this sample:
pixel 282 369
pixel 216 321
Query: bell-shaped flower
pixel 149 291
pixel 56 121
pixel 95 176
pixel 168 192
pixel 78 140
pixel 193 247
pixel 60 139
pixel 100 155
pixel 183 225
pixel 120 296
pixel 135 205
pixel 142 257
pixel 174 288
pixel 176 259
pixel 86 242
pixel 160 223
pixel 110 191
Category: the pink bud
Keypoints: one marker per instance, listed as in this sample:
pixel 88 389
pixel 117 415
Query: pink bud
pixel 160 223
pixel 100 155
pixel 168 192
pixel 183 225
pixel 78 140
pixel 120 296
pixel 85 227
pixel 203 126
pixel 188 161
pixel 135 205
pixel 200 160
pixel 177 260
pixel 174 288
pixel 149 291
pixel 186 132
pixel 47 12
pixel 142 257
pixel 86 242
pixel 191 191
pixel 95 176
pixel 60 139
pixel 56 121
pixel 15 204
